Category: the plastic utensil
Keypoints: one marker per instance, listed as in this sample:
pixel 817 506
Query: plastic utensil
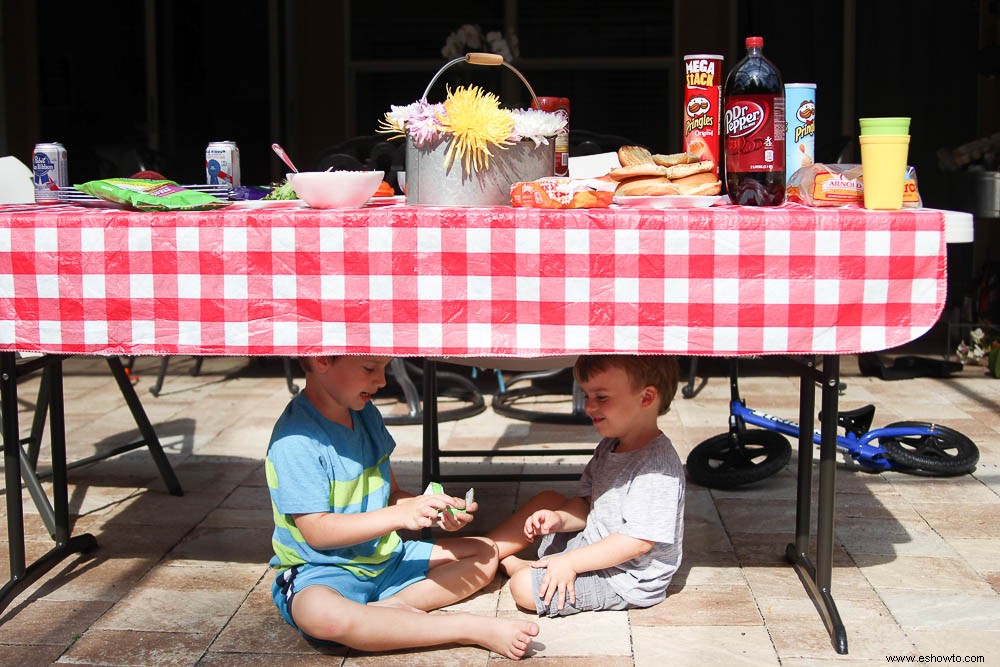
pixel 284 157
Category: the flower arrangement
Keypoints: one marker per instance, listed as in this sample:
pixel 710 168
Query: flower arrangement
pixel 471 38
pixel 980 351
pixel 474 124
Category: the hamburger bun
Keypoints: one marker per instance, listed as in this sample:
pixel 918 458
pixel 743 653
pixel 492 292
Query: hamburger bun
pixel 646 186
pixel 634 170
pixel 682 170
pixel 675 158
pixel 702 183
pixel 632 155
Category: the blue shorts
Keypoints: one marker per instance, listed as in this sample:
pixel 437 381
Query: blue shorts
pixel 409 567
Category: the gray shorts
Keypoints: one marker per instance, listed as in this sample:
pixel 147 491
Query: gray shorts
pixel 593 592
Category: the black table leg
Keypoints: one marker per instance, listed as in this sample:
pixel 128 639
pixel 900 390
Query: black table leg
pixel 22 575
pixel 431 468
pixel 817 580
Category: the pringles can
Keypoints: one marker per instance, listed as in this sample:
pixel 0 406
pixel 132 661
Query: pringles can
pixel 49 164
pixel 800 127
pixel 222 163
pixel 703 106
pixel 559 106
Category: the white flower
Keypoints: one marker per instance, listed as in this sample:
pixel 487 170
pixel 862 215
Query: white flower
pixel 536 125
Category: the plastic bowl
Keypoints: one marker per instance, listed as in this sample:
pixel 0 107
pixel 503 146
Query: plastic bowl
pixel 335 189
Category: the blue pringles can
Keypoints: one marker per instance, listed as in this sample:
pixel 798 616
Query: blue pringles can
pixel 800 127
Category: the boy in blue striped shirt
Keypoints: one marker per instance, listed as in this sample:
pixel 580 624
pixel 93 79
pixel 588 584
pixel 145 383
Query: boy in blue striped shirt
pixel 344 574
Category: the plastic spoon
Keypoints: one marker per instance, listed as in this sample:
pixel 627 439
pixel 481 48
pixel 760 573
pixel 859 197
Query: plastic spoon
pixel 284 156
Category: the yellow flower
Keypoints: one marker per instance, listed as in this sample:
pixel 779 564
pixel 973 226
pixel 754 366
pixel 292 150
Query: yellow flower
pixel 477 123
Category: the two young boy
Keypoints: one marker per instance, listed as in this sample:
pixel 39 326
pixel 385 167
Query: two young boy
pixel 345 576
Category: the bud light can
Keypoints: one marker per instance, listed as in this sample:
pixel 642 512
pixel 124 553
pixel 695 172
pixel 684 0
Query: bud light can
pixel 222 163
pixel 800 126
pixel 49 164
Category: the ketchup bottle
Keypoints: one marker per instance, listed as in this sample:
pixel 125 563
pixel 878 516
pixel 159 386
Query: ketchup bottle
pixel 755 130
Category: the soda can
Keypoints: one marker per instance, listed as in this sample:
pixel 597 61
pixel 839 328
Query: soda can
pixel 559 106
pixel 49 162
pixel 222 163
pixel 703 106
pixel 800 127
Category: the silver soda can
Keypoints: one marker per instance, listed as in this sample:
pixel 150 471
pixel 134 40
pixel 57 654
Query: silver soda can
pixel 49 164
pixel 800 127
pixel 222 163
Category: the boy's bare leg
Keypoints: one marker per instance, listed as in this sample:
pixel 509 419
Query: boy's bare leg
pixel 325 614
pixel 459 566
pixel 509 535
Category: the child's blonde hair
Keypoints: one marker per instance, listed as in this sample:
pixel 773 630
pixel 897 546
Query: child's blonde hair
pixel 660 371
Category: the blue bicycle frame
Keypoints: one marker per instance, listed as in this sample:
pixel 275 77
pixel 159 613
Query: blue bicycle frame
pixel 864 449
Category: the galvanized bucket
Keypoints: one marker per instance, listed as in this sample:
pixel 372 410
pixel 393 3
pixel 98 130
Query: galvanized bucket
pixel 429 183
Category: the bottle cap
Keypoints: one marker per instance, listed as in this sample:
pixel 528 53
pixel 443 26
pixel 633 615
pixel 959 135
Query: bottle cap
pixel 755 41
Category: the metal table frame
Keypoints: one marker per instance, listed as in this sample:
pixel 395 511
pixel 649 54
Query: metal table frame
pixel 20 464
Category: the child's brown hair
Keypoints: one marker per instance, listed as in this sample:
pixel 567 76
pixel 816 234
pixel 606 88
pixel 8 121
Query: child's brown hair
pixel 660 371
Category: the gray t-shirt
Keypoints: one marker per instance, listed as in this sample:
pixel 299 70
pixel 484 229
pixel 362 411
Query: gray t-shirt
pixel 639 494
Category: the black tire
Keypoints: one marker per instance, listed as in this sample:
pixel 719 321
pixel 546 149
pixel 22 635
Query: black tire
pixel 946 454
pixel 717 464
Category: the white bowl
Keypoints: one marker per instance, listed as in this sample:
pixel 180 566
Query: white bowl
pixel 335 189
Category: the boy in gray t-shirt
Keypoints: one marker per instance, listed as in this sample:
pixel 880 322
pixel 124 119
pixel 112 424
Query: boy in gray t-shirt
pixel 617 544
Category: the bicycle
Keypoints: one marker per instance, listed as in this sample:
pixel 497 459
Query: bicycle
pixel 744 455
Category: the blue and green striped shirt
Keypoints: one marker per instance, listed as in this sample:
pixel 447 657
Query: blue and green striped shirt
pixel 315 465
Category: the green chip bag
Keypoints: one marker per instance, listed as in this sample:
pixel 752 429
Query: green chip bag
pixel 146 195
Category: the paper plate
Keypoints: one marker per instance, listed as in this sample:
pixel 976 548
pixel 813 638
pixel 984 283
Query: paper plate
pixel 667 201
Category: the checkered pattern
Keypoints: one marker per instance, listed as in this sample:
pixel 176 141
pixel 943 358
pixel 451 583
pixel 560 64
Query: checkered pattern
pixel 424 281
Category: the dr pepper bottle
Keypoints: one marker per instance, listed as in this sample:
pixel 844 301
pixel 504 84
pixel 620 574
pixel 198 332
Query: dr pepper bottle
pixel 755 130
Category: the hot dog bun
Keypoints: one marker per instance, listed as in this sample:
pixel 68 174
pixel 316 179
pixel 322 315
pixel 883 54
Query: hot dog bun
pixel 682 170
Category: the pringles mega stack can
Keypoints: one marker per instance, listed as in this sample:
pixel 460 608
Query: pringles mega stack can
pixel 800 127
pixel 703 106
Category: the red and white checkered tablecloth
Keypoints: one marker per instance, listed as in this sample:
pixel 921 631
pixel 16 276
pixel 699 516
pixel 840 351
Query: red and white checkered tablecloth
pixel 401 280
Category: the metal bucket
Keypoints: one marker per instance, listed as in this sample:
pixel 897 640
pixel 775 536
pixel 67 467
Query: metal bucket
pixel 429 183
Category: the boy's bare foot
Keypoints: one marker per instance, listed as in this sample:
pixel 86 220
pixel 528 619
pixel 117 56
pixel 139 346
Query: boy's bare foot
pixel 509 638
pixel 512 564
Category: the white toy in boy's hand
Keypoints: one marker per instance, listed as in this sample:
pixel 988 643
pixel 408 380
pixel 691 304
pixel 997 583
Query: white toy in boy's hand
pixel 435 487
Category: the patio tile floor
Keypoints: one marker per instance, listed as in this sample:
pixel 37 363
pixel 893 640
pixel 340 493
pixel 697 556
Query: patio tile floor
pixel 184 581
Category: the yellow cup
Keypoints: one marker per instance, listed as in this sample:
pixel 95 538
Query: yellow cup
pixel 883 167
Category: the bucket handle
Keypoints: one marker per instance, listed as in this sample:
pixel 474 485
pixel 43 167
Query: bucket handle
pixel 490 59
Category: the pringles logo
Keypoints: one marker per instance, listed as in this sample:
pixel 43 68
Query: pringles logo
pixel 805 114
pixel 744 118
pixel 697 114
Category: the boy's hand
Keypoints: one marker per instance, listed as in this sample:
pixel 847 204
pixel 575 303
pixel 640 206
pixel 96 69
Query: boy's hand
pixel 558 580
pixel 425 511
pixel 452 521
pixel 541 523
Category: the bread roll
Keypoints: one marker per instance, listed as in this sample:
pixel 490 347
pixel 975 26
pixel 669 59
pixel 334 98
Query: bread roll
pixel 634 170
pixel 631 155
pixel 647 186
pixel 701 183
pixel 675 158
pixel 682 170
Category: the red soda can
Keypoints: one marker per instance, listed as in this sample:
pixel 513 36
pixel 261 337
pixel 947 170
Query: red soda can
pixel 703 106
pixel 560 106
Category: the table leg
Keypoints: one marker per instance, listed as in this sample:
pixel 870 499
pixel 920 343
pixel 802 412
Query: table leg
pixel 432 445
pixel 22 575
pixel 817 580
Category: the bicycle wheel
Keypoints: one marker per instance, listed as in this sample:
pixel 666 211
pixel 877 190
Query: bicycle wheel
pixel 717 464
pixel 946 453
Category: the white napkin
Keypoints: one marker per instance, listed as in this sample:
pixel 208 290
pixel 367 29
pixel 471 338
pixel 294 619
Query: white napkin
pixel 16 185
pixel 593 166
